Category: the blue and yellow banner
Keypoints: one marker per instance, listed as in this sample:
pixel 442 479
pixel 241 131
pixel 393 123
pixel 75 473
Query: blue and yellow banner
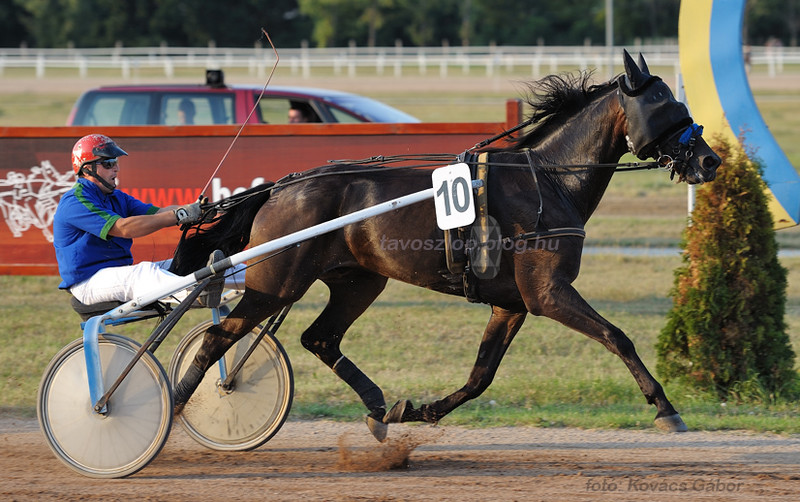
pixel 719 96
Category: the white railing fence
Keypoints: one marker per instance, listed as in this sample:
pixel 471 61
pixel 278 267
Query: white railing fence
pixel 389 61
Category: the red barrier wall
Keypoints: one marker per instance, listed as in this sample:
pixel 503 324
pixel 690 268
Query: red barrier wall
pixel 170 165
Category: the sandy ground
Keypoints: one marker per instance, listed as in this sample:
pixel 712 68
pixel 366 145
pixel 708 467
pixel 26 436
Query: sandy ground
pixel 322 460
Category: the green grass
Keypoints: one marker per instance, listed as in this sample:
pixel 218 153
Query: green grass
pixel 28 109
pixel 781 112
pixel 421 345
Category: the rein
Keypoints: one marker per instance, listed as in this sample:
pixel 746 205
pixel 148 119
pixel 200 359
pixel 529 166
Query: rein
pixel 507 132
pixel 382 163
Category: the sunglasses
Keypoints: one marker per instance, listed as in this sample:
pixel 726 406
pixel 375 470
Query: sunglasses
pixel 107 163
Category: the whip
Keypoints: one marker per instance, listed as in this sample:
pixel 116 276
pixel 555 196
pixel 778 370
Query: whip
pixel 239 132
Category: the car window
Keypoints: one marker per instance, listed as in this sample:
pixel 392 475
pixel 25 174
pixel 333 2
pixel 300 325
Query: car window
pixel 197 109
pixel 342 116
pixel 273 110
pixel 372 110
pixel 115 109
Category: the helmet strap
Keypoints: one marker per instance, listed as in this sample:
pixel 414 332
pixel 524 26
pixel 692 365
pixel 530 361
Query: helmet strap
pixel 93 173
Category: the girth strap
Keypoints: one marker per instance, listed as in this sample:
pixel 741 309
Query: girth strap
pixel 546 234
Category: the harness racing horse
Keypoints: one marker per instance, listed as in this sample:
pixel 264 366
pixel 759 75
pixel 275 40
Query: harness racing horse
pixel 544 185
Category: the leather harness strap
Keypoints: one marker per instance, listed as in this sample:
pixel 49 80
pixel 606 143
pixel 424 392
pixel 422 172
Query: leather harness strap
pixel 481 262
pixel 455 240
pixel 473 263
pixel 546 234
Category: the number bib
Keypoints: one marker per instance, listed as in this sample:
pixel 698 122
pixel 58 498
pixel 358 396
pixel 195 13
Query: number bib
pixel 455 205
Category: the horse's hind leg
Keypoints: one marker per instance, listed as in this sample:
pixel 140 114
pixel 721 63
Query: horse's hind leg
pixel 503 326
pixel 350 295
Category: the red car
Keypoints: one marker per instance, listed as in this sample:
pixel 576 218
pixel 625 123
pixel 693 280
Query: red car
pixel 217 103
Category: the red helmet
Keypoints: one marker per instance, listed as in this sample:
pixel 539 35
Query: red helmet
pixel 94 147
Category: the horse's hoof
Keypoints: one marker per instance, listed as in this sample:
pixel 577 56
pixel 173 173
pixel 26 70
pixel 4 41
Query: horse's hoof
pixel 672 423
pixel 395 415
pixel 378 429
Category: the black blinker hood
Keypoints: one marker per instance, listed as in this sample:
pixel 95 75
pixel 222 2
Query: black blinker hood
pixel 653 114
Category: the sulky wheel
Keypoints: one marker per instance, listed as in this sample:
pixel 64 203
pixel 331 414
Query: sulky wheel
pixel 253 410
pixel 139 413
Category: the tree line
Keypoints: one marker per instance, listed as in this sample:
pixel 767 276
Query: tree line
pixel 337 23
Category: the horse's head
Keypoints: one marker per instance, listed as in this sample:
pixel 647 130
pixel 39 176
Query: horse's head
pixel 660 127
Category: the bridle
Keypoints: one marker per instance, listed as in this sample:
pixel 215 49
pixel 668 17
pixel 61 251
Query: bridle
pixel 677 159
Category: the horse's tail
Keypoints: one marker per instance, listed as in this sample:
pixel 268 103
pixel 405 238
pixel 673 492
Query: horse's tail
pixel 230 232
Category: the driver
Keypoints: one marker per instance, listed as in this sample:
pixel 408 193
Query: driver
pixel 95 224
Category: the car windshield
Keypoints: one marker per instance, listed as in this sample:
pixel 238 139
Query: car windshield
pixel 114 108
pixel 374 111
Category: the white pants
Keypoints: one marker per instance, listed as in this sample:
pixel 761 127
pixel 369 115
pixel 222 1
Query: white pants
pixel 126 283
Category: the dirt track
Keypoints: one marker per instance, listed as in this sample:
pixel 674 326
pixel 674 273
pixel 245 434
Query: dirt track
pixel 321 460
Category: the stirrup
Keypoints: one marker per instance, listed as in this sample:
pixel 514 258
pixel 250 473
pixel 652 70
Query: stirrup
pixel 211 296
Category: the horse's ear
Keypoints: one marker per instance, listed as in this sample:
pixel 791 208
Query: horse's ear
pixel 643 65
pixel 633 72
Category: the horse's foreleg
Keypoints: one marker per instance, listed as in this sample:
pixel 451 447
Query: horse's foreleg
pixel 565 305
pixel 499 333
pixel 350 295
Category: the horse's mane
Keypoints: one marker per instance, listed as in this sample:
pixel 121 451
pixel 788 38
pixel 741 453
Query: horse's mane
pixel 229 232
pixel 553 100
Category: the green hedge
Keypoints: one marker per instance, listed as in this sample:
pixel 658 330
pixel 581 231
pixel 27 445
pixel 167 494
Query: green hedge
pixel 726 331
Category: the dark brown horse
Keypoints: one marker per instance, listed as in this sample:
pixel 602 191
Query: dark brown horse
pixel 544 186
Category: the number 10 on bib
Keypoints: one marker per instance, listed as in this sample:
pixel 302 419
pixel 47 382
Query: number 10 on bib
pixel 452 187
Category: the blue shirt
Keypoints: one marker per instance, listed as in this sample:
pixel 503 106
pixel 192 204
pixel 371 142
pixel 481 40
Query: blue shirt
pixel 81 224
